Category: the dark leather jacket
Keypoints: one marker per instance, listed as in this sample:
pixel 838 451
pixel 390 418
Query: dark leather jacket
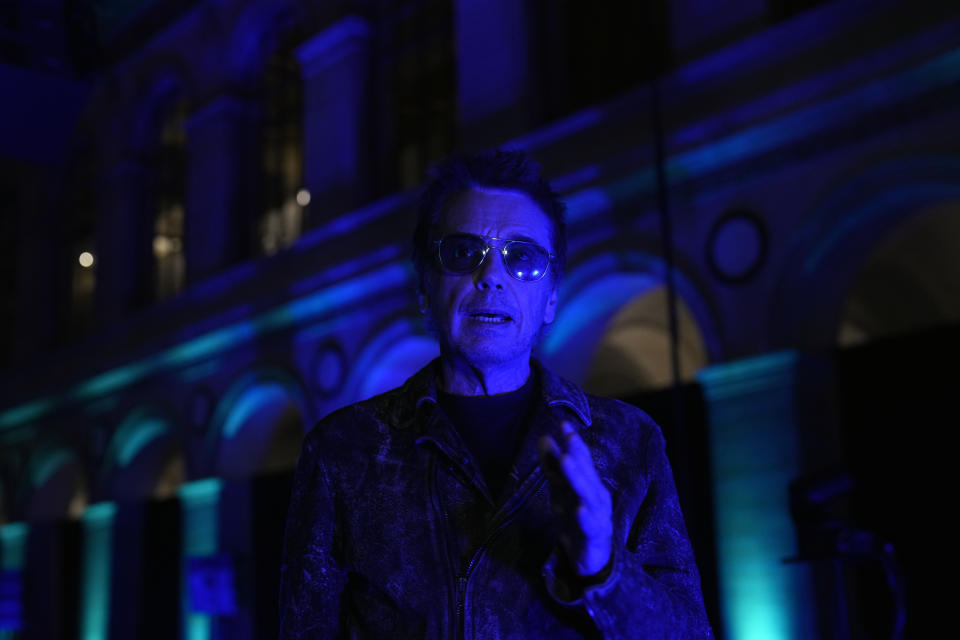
pixel 392 533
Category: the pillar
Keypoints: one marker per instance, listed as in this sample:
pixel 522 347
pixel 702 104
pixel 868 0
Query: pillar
pixel 97 569
pixel 222 185
pixel 756 451
pixel 335 65
pixel 126 586
pixel 199 502
pixel 124 249
pixel 13 552
pixel 495 88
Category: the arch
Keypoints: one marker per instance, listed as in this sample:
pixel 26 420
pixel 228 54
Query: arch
pixel 256 35
pixel 849 223
pixel 167 83
pixel 608 298
pixel 388 359
pixel 909 281
pixel 55 484
pixel 259 424
pixel 144 458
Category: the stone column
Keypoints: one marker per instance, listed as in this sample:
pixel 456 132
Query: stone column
pixel 13 556
pixel 97 570
pixel 494 71
pixel 200 521
pixel 223 181
pixel 39 247
pixel 756 451
pixel 126 585
pixel 124 243
pixel 235 540
pixel 336 117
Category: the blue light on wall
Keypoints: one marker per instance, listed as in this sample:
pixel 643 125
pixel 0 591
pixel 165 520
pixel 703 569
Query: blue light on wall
pixel 212 584
pixel 97 567
pixel 11 602
pixel 392 276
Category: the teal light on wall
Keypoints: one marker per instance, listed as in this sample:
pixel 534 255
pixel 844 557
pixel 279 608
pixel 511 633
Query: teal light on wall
pixel 45 465
pixel 137 436
pixel 97 567
pixel 390 277
pixel 270 394
pixel 13 545
pixel 755 455
pixel 199 502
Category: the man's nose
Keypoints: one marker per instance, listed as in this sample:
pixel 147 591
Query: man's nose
pixel 491 272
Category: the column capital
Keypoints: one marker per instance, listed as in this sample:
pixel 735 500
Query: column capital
pixel 749 376
pixel 223 107
pixel 332 44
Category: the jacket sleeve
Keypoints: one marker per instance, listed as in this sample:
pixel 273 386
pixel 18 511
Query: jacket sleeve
pixel 311 582
pixel 652 589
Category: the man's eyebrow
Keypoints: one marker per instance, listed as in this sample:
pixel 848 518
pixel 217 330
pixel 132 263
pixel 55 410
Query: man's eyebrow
pixel 522 238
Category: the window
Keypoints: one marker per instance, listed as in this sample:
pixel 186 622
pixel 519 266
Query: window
pixel 168 166
pixel 285 202
pixel 415 54
pixel 591 52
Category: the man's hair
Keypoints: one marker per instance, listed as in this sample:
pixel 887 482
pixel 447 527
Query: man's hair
pixel 499 169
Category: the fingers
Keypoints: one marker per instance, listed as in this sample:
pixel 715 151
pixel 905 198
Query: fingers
pixel 569 463
pixel 580 500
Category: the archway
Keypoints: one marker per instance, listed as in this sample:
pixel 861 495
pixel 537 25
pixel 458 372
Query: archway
pixel 612 332
pixel 909 282
pixel 260 423
pixel 851 244
pixel 144 459
pixel 56 486
pixel 395 354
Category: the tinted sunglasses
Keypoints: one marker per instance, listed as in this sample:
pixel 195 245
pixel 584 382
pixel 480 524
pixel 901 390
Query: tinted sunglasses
pixel 462 253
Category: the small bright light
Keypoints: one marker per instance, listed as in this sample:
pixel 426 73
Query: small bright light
pixel 303 197
pixel 86 259
pixel 162 246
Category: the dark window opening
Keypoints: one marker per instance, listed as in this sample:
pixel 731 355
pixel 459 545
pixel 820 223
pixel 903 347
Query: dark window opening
pixel 415 83
pixel 590 53
pixel 168 166
pixel 784 9
pixel 285 201
pixel 10 207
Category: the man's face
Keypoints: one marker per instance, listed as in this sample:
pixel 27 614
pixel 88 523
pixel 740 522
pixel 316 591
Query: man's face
pixel 487 317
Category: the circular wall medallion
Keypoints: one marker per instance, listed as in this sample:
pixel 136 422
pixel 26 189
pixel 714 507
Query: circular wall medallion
pixel 737 246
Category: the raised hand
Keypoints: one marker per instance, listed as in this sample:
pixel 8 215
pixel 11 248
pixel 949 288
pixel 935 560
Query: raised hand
pixel 580 500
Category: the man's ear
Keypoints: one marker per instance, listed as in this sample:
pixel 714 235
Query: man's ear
pixel 550 311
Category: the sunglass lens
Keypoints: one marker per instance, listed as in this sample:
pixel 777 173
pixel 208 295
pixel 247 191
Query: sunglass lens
pixel 526 260
pixel 461 253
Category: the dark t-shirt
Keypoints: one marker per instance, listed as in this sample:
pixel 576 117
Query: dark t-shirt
pixel 492 428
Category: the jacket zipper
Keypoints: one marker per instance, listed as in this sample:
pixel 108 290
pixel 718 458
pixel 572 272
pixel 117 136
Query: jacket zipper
pixel 462 579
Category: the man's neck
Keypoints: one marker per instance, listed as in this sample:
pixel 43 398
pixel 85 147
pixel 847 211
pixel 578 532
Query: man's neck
pixel 464 379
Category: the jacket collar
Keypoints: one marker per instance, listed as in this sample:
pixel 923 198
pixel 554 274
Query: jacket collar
pixel 418 395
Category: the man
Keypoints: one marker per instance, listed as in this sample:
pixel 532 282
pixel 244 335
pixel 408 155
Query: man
pixel 487 497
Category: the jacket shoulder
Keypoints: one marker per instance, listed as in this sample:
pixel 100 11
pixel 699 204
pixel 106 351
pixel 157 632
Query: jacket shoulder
pixel 359 422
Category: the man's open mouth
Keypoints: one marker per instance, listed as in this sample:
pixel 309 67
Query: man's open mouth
pixel 490 318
